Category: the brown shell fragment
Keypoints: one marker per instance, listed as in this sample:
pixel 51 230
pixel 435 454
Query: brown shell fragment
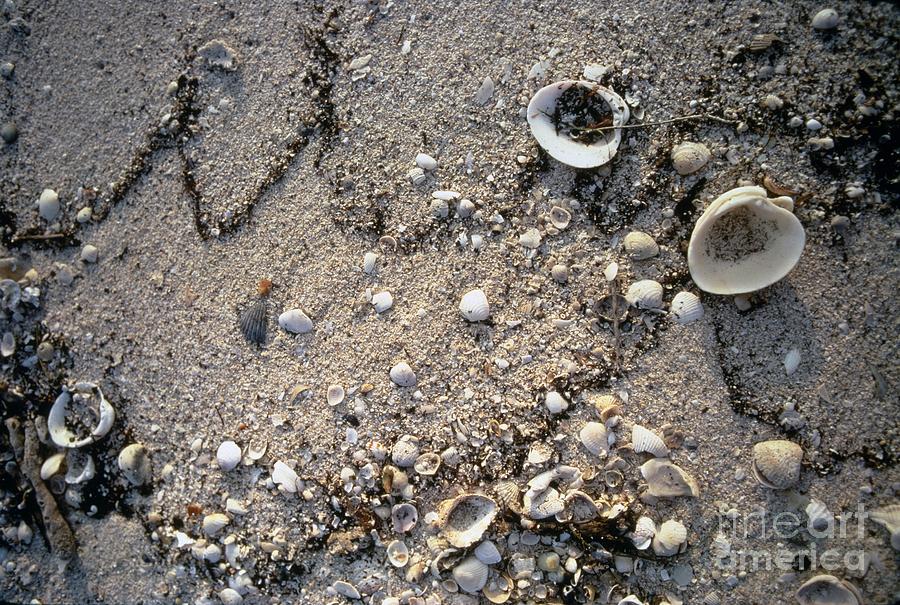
pixel 776 189
pixel 761 42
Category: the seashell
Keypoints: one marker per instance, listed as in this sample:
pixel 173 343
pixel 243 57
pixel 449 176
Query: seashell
pixel 686 307
pixel 404 517
pixel 645 440
pixel 508 494
pixel 86 400
pixel 539 453
pixel 689 157
pixel 669 538
pixel 531 239
pixel 889 517
pixel 761 42
pixel 791 361
pixel 464 519
pixel 213 524
pixel 295 321
pixel 548 561
pixel 285 477
pixel 253 321
pixel 666 480
pixel 630 600
pixel 447 196
pixel 612 307
pixel 335 395
pixel 256 450
pixel 542 503
pixel 405 451
pixel 81 467
pixel 640 246
pixel 827 18
pixel 8 344
pixel 398 553
pixel 744 242
pixel 644 530
pixel 593 437
pixel 613 478
pixel 48 205
pixel 465 208
pixel 382 301
pixel 487 553
pixel 645 294
pixel 818 516
pixel 427 464
pixel 712 598
pixel 346 589
pixel 228 455
pixel 776 464
pixel 417 176
pixel 474 306
pixel 230 596
pixel 426 162
pixel 439 209
pixel 611 271
pixel 560 273
pixel 134 462
pixel 560 217
pixel 555 402
pixel 555 125
pixel 369 260
pixel 828 590
pixel 53 465
pixel 402 375
pixel 580 508
pixel 499 589
pixel 471 574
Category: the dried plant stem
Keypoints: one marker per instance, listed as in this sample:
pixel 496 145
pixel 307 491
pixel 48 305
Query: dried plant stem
pixel 699 116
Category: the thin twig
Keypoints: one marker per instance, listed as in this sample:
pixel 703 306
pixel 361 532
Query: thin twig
pixel 700 116
pixel 24 238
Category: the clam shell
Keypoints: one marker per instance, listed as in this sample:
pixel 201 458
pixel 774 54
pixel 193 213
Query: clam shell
pixel 640 246
pixel 561 146
pixel 645 440
pixel 645 294
pixel 644 530
pixel 669 538
pixel 405 451
pixel 686 307
pixel 487 553
pixel 666 480
pixel 382 301
pixel 555 402
pixel 228 455
pixel 335 394
pixel 827 18
pixel 828 590
pixel 499 589
pixel 474 306
pixel 402 375
pixel 80 466
pixel 887 516
pixel 560 217
pixel 593 436
pixel 464 519
pixel 426 162
pixel 53 465
pixel 398 553
pixel 744 242
pixel 213 524
pixel 295 321
pixel 776 464
pixel 689 157
pixel 253 321
pixel 404 517
pixel 285 477
pixel 580 508
pixel 427 464
pixel 346 589
pixel 471 574
pixel 87 397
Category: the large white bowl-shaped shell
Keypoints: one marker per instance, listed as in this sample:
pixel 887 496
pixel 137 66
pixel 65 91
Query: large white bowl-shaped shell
pixel 744 242
pixel 464 519
pixel 561 146
pixel 56 420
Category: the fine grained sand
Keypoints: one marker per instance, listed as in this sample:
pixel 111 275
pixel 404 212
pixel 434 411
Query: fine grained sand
pixel 301 170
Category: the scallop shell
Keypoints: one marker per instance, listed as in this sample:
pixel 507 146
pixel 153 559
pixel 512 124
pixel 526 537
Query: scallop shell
pixel 669 538
pixel 474 306
pixel 645 294
pixel 295 321
pixel 561 146
pixel 402 375
pixel 253 321
pixel 828 590
pixel 776 464
pixel 405 451
pixel 644 530
pixel 689 157
pixel 427 464
pixel 464 519
pixel 594 437
pixel 508 494
pixel 640 246
pixel 686 307
pixel 398 553
pixel 744 242
pixel 666 480
pixel 471 574
pixel 487 553
pixel 645 440
pixel 560 217
pixel 404 517
pixel 89 398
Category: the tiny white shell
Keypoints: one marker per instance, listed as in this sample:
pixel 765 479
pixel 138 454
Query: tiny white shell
pixel 382 301
pixel 284 476
pixel 228 455
pixel 417 176
pixel 594 437
pixel 531 239
pixel 471 574
pixel 792 361
pixel 690 157
pixel 474 306
pixel 402 375
pixel 645 440
pixel 398 553
pixel 640 246
pixel 335 395
pixel 86 394
pixel 48 205
pixel 213 524
pixel 427 464
pixel 346 589
pixel 611 271
pixel 426 162
pixel 643 533
pixel 465 208
pixel 295 321
pixel 560 217
pixel 447 196
pixel 686 307
pixel 645 294
pixel 487 553
pixel 369 260
pixel 555 402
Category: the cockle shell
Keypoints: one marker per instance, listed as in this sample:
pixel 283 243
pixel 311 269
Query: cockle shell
pixel 405 451
pixel 645 440
pixel 776 464
pixel 689 157
pixel 889 517
pixel 487 553
pixel 508 494
pixel 474 306
pixel 645 294
pixel 828 590
pixel 594 437
pixel 402 375
pixel 464 519
pixel 564 148
pixel 427 464
pixel 88 399
pixel 669 538
pixel 744 242
pixel 253 321
pixel 398 553
pixel 404 517
pixel 686 307
pixel 666 480
pixel 471 574
pixel 295 321
pixel 640 246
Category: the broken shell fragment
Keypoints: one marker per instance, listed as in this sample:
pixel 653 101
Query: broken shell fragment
pixel 285 477
pixel 474 306
pixel 666 480
pixel 213 524
pixel 580 508
pixel 594 437
pixel 669 538
pixel 828 590
pixel 295 321
pixel 645 440
pixel 686 307
pixel 382 301
pixel 464 519
pixel 555 402
pixel 402 375
pixel 689 157
pixel 644 530
pixel 889 517
pixel 744 242
pixel 645 294
pixel 776 464
pixel 134 462
pixel 562 115
pixel 471 574
pixel 640 246
pixel 86 404
pixel 404 517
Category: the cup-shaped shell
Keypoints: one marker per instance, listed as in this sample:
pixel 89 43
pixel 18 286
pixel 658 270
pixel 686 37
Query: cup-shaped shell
pixel 645 440
pixel 595 438
pixel 669 538
pixel 666 480
pixel 645 294
pixel 474 306
pixel 402 375
pixel 404 517
pixel 86 403
pixel 464 519
pixel 776 464
pixel 640 246
pixel 828 590
pixel 471 574
pixel 543 503
pixel 427 464
pixel 560 217
pixel 499 589
pixel 744 242
pixel 580 508
pixel 398 553
pixel 689 157
pixel 544 115
pixel 686 307
pixel 335 394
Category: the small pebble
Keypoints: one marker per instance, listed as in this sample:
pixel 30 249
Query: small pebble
pixel 813 124
pixel 89 253
pixel 795 122
pixel 84 215
pixel 6 70
pixel 426 162
pixel 9 132
pixel 825 19
pixel 45 351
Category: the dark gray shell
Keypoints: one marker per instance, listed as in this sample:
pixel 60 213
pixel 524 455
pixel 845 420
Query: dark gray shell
pixel 253 321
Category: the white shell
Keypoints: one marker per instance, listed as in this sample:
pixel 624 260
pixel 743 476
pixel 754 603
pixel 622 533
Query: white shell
pixel 369 259
pixel 666 480
pixel 464 519
pixel 555 402
pixel 474 306
pixel 594 437
pixel 630 600
pixel 686 307
pixel 561 146
pixel 643 533
pixel 402 375
pixel 84 394
pixel 285 476
pixel 465 208
pixel 213 524
pixel 230 596
pixel 640 246
pixel 690 157
pixel 744 242
pixel 228 455
pixel 669 538
pixel 404 517
pixel 791 361
pixel 471 574
pixel 645 294
pixel 611 271
pixel 382 301
pixel 645 440
pixel 580 508
pixel 819 518
pixel 295 321
pixel 48 205
pixel 560 217
pixel 335 395
pixel 426 162
pixel 487 553
pixel 405 451
pixel 52 465
pixel 777 463
pixel 828 590
pixel 531 239
pixel 81 467
pixel 398 553
pixel 346 589
pixel 89 253
pixel 827 18
pixel 427 464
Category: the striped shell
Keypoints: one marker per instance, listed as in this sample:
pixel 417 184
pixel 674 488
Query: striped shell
pixel 253 321
pixel 474 306
pixel 689 157
pixel 643 533
pixel 645 440
pixel 471 574
pixel 776 464
pixel 640 246
pixel 487 553
pixel 508 495
pixel 594 437
pixel 645 294
pixel 669 538
pixel 686 307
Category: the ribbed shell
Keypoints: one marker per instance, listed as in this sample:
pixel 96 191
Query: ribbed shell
pixel 594 437
pixel 645 440
pixel 471 574
pixel 253 321
pixel 643 533
pixel 474 306
pixel 405 451
pixel 487 553
pixel 776 464
pixel 645 294
pixel 686 307
pixel 690 157
pixel 669 538
pixel 640 245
